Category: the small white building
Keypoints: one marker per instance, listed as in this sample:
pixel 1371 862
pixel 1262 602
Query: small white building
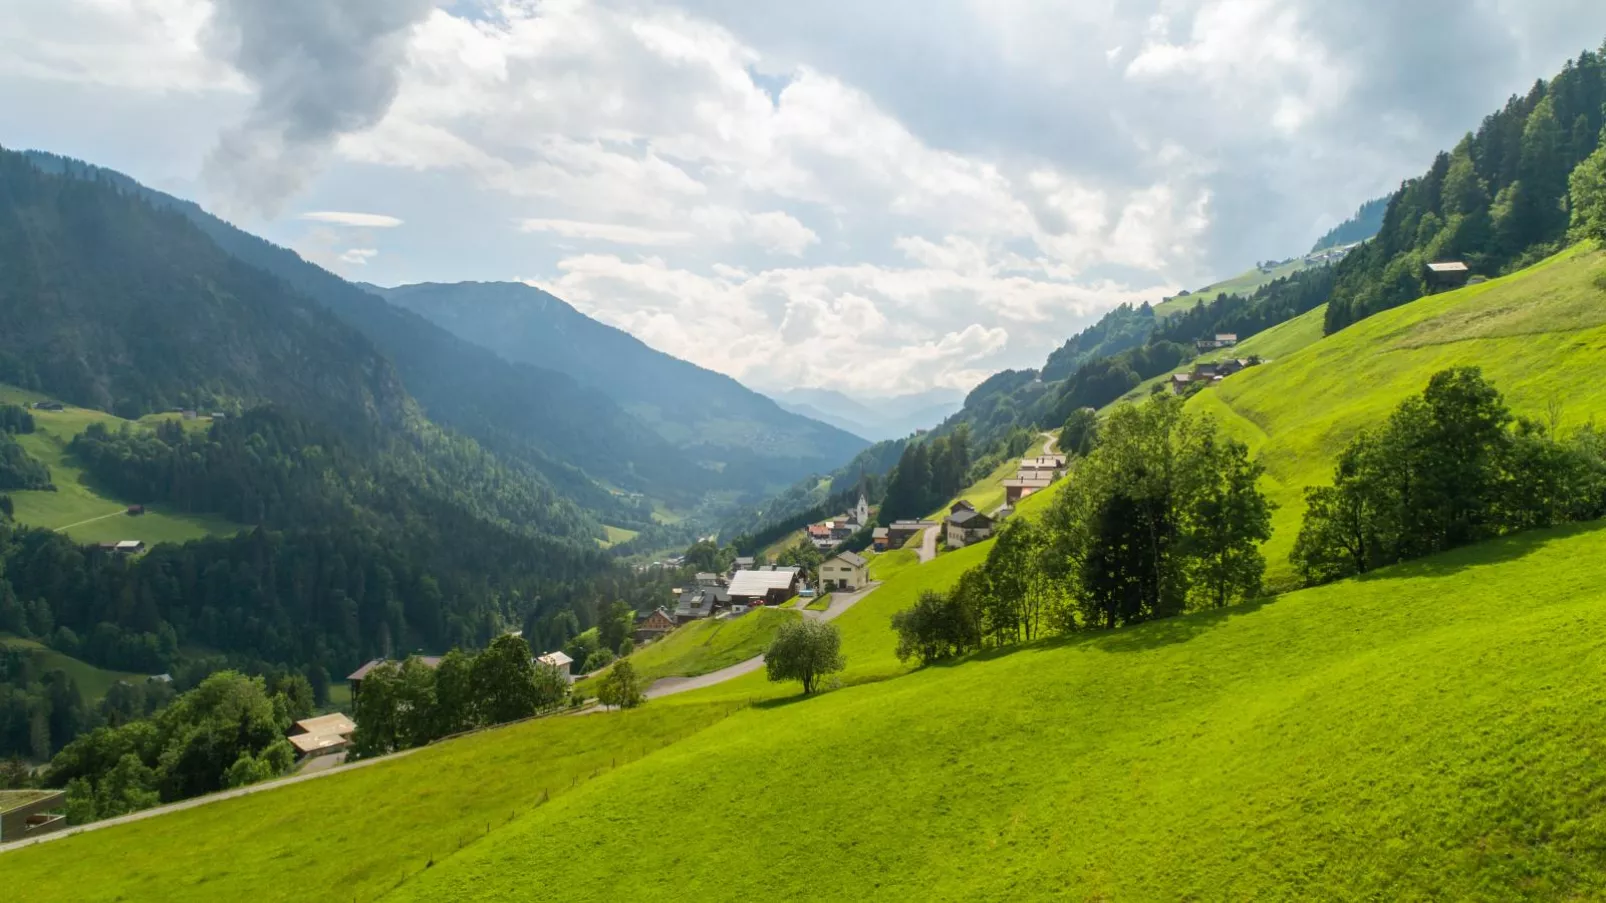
pixel 845 572
pixel 559 661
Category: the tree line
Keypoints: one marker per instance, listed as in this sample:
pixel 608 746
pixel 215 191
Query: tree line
pixel 1450 467
pixel 1162 516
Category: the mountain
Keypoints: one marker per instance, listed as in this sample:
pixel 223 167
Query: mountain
pixel 1365 223
pixel 875 418
pixel 546 420
pixel 710 417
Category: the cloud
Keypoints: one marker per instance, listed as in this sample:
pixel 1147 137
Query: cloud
pixel 359 256
pixel 612 233
pixel 320 69
pixel 343 218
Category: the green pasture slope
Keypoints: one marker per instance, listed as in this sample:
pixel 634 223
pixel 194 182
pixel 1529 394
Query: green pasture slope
pixel 1539 335
pixel 92 682
pixel 1244 283
pixel 1431 732
pixel 705 646
pixel 78 508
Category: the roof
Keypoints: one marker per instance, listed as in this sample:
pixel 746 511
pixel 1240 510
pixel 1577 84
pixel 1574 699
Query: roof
pixel 557 659
pixel 850 558
pixel 1449 266
pixel 970 516
pixel 879 532
pixel 16 799
pixel 912 524
pixel 334 723
pixel 431 661
pixel 311 743
pixel 130 544
pixel 760 583
pixel 748 561
pixel 1226 336
pixel 1032 482
pixel 962 505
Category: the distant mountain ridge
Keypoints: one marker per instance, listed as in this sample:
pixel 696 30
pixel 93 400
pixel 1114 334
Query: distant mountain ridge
pixel 876 418
pixel 707 415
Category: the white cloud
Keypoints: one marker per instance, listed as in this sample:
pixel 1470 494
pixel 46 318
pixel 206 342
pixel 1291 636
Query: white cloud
pixel 612 233
pixel 359 220
pixel 359 256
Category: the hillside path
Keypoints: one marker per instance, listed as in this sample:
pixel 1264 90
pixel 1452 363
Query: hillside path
pixel 669 686
pixel 204 800
pixel 928 544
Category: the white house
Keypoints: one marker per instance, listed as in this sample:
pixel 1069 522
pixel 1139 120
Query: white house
pixel 559 661
pixel 845 572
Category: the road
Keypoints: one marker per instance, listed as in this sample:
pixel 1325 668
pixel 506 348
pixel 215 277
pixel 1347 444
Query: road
pixel 928 544
pixel 669 686
pixel 205 800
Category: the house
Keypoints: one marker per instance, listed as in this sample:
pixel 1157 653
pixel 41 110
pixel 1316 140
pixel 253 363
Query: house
pixel 842 529
pixel 743 563
pixel 822 536
pixel 706 579
pixel 699 602
pixel 1051 466
pixel 324 735
pixel 31 813
pixel 1180 382
pixel 135 510
pixel 1220 340
pixel 966 526
pixel 1448 275
pixel 355 678
pixel 878 538
pixel 560 662
pixel 765 586
pixel 903 530
pixel 126 547
pixel 653 625
pixel 1025 485
pixel 48 406
pixel 846 572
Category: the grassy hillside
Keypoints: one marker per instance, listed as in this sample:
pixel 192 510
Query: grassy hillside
pixel 1244 283
pixel 708 645
pixel 1539 335
pixel 1430 732
pixel 92 682
pixel 987 494
pixel 78 508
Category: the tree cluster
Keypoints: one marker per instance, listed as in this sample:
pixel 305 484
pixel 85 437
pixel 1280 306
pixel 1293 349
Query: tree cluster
pixel 20 470
pixel 928 474
pixel 227 732
pixel 15 419
pixel 1450 467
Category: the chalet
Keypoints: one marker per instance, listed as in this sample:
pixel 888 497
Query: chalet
pixel 1220 340
pixel 355 678
pixel 878 538
pixel 1180 382
pixel 653 625
pixel 966 526
pixel 706 579
pixel 558 661
pixel 766 586
pixel 823 537
pixel 699 602
pixel 846 572
pixel 324 735
pixel 1043 465
pixel 49 406
pixel 1025 485
pixel 842 529
pixel 743 563
pixel 126 547
pixel 902 531
pixel 31 813
pixel 1447 275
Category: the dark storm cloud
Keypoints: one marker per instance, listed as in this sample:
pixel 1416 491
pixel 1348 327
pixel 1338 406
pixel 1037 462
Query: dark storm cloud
pixel 322 68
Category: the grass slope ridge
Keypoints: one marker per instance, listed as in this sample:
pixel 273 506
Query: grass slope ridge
pixel 707 413
pixel 1539 335
pixel 1431 731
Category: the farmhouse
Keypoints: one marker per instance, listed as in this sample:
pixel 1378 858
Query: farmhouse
pixel 321 736
pixel 1447 275
pixel 846 572
pixel 699 602
pixel 765 586
pixel 355 678
pixel 30 813
pixel 878 538
pixel 902 531
pixel 126 547
pixel 1043 465
pixel 1024 485
pixel 653 625
pixel 559 662
pixel 706 579
pixel 966 525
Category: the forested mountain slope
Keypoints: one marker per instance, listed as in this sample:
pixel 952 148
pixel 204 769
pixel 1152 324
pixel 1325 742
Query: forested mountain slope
pixel 710 416
pixel 538 417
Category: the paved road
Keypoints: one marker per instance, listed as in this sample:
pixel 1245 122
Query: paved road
pixel 204 800
pixel 669 686
pixel 928 544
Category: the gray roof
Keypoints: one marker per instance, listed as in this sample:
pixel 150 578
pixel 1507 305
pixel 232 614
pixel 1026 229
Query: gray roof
pixel 760 583
pixel 970 516
pixel 851 558
pixel 1449 266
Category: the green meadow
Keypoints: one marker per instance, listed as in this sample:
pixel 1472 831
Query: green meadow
pixel 1539 335
pixel 1244 283
pixel 92 682
pixel 704 646
pixel 79 509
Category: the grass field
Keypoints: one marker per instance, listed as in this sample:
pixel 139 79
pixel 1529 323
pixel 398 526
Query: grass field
pixel 987 494
pixel 887 564
pixel 92 682
pixel 1539 335
pixel 819 603
pixel 1431 732
pixel 362 832
pixel 704 646
pixel 79 509
pixel 1244 283
pixel 616 535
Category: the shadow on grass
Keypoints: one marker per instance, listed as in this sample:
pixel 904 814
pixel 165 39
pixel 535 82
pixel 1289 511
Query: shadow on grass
pixel 1504 550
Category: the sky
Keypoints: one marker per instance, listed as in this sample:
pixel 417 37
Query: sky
pixel 876 197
